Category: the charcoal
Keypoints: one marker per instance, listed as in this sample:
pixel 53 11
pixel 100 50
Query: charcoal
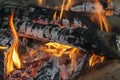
pixel 48 71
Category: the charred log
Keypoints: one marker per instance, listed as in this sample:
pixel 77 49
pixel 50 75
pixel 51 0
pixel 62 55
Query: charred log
pixel 45 15
pixel 100 42
pixel 40 15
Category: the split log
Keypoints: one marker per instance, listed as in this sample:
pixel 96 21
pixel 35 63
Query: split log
pixel 99 42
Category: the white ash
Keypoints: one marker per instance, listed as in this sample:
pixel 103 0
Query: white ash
pixel 88 7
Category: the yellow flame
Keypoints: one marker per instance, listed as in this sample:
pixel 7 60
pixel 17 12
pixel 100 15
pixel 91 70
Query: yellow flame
pixel 57 49
pixel 12 56
pixel 2 47
pixel 95 59
pixel 68 4
pixel 40 2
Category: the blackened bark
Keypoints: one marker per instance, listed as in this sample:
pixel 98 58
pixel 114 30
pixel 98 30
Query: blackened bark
pixel 31 13
pixel 99 42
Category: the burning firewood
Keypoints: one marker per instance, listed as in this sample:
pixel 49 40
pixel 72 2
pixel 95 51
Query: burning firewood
pixel 52 25
pixel 53 70
pixel 100 42
pixel 40 15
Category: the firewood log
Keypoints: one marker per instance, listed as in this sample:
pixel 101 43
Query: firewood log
pixel 100 42
pixel 45 15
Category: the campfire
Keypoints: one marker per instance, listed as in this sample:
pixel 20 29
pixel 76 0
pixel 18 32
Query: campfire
pixel 72 40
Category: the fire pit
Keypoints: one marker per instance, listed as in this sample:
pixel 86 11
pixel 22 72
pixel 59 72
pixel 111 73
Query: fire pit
pixel 69 40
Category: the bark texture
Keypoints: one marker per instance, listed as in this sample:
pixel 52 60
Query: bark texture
pixel 100 42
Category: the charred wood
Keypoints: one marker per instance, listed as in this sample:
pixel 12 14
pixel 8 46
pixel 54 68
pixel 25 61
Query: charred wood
pixel 100 42
pixel 45 15
pixel 5 41
pixel 48 71
pixel 51 70
pixel 81 65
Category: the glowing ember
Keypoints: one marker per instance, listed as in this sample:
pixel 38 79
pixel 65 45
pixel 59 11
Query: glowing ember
pixel 12 58
pixel 95 59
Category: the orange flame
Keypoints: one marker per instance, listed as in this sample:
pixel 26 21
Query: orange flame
pixel 2 47
pixel 95 59
pixel 68 4
pixel 12 58
pixel 102 21
pixel 57 49
pixel 99 16
pixel 54 17
pixel 61 13
pixel 40 2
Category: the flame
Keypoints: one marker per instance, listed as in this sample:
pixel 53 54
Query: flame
pixel 61 13
pixel 102 21
pixel 95 59
pixel 2 47
pixel 40 2
pixel 57 49
pixel 99 17
pixel 12 58
pixel 54 17
pixel 68 4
